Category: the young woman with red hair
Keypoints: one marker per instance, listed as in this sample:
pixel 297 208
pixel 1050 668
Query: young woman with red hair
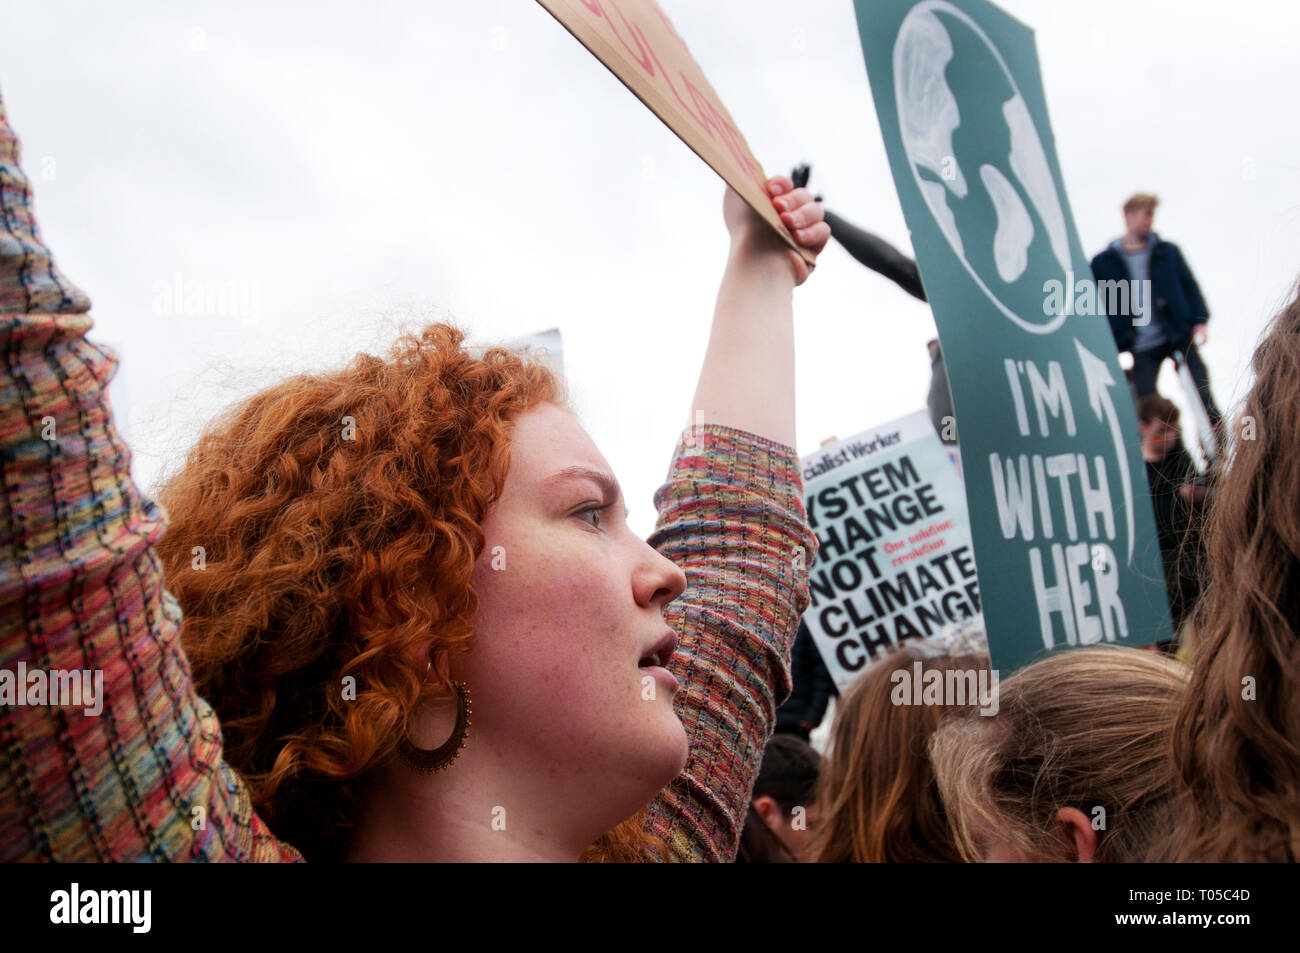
pixel 410 620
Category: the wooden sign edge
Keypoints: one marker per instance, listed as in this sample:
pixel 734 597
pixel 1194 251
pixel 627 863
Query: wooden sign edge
pixel 768 214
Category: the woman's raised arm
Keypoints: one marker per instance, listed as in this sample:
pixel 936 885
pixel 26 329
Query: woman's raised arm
pixel 747 381
pixel 106 753
pixel 731 515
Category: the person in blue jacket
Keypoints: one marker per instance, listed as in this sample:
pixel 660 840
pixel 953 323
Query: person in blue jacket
pixel 1167 314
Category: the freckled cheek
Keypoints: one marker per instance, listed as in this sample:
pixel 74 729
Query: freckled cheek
pixel 549 624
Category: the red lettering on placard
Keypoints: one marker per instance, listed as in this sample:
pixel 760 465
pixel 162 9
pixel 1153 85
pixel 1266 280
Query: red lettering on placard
pixel 642 58
pixel 701 108
pixel 678 96
pixel 713 120
pixel 642 43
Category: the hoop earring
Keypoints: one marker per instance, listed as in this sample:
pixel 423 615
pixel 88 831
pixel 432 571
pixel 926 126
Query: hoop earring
pixel 439 758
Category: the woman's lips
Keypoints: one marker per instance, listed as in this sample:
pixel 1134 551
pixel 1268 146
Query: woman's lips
pixel 662 676
pixel 655 662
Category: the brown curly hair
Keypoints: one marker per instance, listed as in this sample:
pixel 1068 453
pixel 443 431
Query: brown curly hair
pixel 322 538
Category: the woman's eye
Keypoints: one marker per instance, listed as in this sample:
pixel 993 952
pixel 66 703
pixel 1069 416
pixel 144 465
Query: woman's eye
pixel 591 515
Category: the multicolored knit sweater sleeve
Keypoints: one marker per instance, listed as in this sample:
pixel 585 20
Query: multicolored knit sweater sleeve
pixel 133 770
pixel 732 517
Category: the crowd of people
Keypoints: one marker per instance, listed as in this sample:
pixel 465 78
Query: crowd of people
pixel 395 611
pixel 1107 753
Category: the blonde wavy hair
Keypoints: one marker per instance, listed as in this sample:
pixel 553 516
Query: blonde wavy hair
pixel 1087 728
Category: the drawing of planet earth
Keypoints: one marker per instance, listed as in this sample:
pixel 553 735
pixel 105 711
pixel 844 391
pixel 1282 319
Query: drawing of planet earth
pixel 979 161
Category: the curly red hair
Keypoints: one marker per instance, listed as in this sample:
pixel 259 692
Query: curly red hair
pixel 324 530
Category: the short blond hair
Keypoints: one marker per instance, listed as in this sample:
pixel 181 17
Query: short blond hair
pixel 1141 200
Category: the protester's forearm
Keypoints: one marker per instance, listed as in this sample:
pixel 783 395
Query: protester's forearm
pixel 747 380
pixel 877 254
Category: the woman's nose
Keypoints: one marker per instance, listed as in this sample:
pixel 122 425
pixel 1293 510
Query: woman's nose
pixel 659 580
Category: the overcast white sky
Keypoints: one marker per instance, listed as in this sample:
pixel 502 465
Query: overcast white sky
pixel 359 166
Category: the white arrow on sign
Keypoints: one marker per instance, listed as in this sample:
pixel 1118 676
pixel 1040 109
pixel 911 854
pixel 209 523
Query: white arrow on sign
pixel 1097 373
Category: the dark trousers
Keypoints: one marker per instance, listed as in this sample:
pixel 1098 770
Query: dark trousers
pixel 1146 368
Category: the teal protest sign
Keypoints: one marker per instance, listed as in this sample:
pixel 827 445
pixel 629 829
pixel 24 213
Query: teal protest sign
pixel 1060 514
